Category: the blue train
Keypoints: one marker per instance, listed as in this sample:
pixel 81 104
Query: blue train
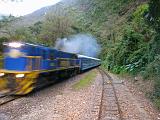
pixel 29 66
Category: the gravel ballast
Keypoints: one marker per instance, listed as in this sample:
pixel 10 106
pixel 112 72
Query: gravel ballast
pixel 57 102
pixel 62 101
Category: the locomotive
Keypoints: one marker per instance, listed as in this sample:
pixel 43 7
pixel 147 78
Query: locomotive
pixel 29 66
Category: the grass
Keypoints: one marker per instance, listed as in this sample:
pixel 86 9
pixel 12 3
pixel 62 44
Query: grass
pixel 157 103
pixel 85 81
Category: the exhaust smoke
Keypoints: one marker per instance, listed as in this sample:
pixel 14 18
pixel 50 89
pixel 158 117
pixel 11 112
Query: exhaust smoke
pixel 80 44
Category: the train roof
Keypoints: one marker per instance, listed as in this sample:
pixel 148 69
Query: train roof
pixel 83 56
pixel 48 48
pixel 21 44
pixel 36 45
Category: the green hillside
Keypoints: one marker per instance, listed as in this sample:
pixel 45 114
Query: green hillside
pixel 128 31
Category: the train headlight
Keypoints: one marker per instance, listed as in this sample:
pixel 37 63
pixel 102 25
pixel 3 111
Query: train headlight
pixel 15 44
pixel 2 74
pixel 19 75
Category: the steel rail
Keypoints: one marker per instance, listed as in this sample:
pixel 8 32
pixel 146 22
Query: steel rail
pixel 103 74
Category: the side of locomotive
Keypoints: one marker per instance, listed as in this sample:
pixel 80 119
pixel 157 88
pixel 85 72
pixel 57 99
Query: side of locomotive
pixel 28 66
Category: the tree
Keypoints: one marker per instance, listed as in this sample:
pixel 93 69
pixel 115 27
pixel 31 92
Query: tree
pixel 36 28
pixel 2 40
pixel 57 24
pixel 5 24
pixel 154 14
pixel 23 34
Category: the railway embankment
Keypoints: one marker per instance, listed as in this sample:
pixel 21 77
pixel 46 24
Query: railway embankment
pixel 103 97
pixel 133 103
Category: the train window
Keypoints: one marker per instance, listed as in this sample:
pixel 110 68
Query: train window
pixel 37 51
pixel 51 55
pixel 64 63
pixel 32 51
pixel 74 56
pixel 44 54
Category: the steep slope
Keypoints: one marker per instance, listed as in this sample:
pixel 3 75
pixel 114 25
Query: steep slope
pixel 34 17
pixel 39 15
pixel 30 19
pixel 128 31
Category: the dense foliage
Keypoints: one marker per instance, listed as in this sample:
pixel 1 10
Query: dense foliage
pixel 129 34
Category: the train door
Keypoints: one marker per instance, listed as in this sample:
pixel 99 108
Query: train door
pixel 33 63
pixel 38 62
pixel 29 64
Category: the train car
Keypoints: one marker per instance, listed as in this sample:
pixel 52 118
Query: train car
pixel 88 62
pixel 29 66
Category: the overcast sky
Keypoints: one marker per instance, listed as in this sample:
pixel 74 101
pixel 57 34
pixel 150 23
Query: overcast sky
pixel 24 7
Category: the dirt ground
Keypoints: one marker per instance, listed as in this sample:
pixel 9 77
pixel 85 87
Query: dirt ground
pixel 134 105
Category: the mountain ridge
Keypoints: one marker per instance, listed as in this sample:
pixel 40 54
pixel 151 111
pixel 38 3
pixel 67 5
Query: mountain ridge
pixel 39 14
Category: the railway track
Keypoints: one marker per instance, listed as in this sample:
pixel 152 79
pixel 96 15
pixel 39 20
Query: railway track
pixel 6 99
pixel 109 106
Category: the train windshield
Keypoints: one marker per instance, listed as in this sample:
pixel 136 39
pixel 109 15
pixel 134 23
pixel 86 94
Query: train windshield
pixel 13 49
